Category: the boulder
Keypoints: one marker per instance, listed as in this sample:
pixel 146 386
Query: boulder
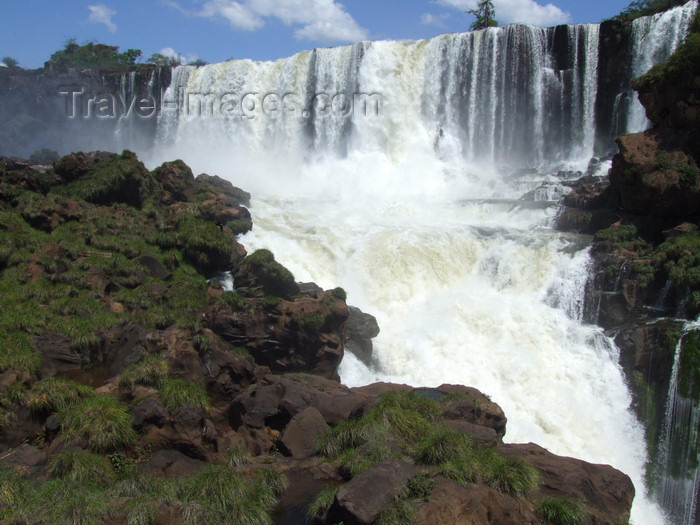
pixel 361 328
pixel 474 407
pixel 360 500
pixel 172 464
pixel 302 432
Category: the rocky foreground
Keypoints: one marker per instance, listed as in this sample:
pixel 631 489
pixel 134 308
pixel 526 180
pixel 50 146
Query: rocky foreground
pixel 135 389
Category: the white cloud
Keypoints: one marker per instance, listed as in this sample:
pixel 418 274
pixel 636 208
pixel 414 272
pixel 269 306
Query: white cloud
pixel 183 59
pixel 434 20
pixel 319 20
pixel 101 14
pixel 525 11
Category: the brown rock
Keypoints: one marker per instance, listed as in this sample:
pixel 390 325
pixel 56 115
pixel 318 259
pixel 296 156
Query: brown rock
pixel 360 501
pixel 302 432
pixel 172 464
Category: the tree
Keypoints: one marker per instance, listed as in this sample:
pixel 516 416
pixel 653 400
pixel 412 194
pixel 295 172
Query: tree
pixel 485 15
pixel 10 62
pixel 198 62
pixel 646 8
pixel 162 60
pixel 94 54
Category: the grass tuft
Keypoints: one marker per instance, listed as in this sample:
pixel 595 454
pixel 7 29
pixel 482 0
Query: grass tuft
pixel 178 392
pixel 81 466
pixel 101 422
pixel 562 511
pixel 150 371
pixel 54 393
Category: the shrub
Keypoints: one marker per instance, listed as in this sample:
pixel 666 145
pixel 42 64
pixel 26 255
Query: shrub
pixel 339 293
pixel 178 392
pixel 346 435
pixel 200 343
pixel 101 422
pixel 54 393
pixel 562 511
pixel 81 466
pixel 150 371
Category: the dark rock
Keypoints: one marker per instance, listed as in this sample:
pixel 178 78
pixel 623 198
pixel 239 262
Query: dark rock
pixel 309 289
pixel 361 329
pixel 79 164
pixel 177 180
pixel 26 460
pixel 172 464
pixel 52 425
pixel 148 411
pixel 154 268
pixel 360 501
pixel 485 435
pixel 237 195
pixel 302 432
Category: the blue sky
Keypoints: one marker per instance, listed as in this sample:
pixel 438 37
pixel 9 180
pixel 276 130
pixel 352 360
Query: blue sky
pixel 217 30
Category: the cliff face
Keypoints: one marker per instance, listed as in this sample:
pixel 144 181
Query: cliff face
pixel 645 220
pixel 79 109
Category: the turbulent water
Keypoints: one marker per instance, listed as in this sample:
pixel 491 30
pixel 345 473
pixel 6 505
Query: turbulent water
pixel 420 176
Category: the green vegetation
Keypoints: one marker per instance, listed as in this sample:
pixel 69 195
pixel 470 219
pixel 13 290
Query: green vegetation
pixel 54 394
pixel 162 60
pixel 339 293
pixel 485 15
pixel 233 300
pixel 562 511
pixel 277 279
pixel 100 422
pixel 322 502
pixel 44 156
pixel 640 8
pixel 689 367
pixel 83 492
pixel 313 321
pixel 682 66
pixel 177 392
pixel 81 466
pixel 413 423
pixel 94 55
pixel 151 371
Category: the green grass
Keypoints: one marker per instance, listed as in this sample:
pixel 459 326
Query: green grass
pixel 278 278
pixel 81 466
pixel 177 392
pixel 151 371
pixel 322 502
pixel 19 353
pixel 562 511
pixel 101 423
pixel 54 393
pixel 76 503
pixel 339 293
pixel 348 435
pixel 237 457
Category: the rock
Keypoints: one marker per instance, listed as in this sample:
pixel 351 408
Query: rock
pixel 26 460
pixel 79 164
pixel 485 435
pixel 607 492
pixel 153 266
pixel 236 195
pixel 651 178
pixel 172 464
pixel 361 329
pixel 300 435
pixel 474 407
pixel 452 504
pixel 360 501
pixel 148 411
pixel 177 180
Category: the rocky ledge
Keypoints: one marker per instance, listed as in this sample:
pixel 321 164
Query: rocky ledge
pixel 135 388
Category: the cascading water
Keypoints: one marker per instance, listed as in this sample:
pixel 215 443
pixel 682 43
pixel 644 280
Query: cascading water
pixel 677 470
pixel 654 39
pixel 394 169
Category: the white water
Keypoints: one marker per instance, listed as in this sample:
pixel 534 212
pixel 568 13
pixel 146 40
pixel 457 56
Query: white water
pixel 654 39
pixel 679 478
pixel 415 212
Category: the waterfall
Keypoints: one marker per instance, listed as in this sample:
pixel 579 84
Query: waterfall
pixel 502 95
pixel 397 170
pixel 654 39
pixel 677 469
